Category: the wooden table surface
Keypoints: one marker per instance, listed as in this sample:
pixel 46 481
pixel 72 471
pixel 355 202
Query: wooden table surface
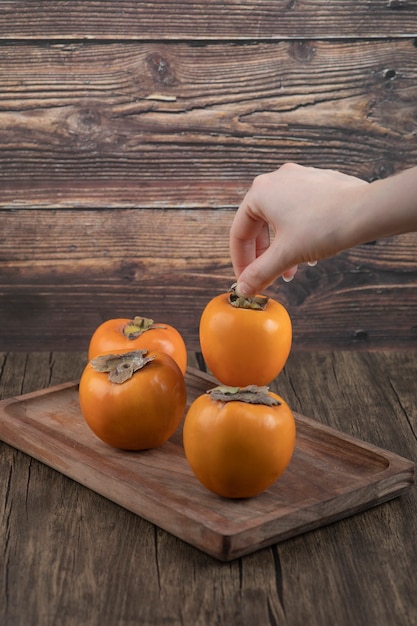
pixel 70 556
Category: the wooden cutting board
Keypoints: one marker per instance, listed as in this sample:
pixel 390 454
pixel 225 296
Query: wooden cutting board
pixel 331 475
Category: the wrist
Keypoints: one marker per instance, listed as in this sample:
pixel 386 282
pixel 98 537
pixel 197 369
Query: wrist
pixel 388 207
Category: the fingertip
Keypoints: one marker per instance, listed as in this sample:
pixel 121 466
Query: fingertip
pixel 289 274
pixel 243 290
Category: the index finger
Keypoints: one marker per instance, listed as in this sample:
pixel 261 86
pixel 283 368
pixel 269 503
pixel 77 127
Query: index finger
pixel 249 238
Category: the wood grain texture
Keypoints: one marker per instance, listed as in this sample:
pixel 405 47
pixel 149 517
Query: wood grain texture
pixel 158 125
pixel 173 109
pixel 70 556
pixel 188 19
pixel 331 475
pixel 72 270
pixel 86 558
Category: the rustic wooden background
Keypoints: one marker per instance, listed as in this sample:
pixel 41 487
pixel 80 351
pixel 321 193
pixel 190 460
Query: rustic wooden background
pixel 130 131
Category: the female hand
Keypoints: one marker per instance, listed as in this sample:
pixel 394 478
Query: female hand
pixel 313 214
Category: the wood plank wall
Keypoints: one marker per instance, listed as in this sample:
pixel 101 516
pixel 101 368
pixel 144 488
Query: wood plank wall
pixel 129 132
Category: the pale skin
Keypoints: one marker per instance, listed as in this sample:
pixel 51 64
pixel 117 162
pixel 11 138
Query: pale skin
pixel 313 214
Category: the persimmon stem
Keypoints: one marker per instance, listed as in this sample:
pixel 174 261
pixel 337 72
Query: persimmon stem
pixel 256 303
pixel 138 326
pixel 252 394
pixel 121 367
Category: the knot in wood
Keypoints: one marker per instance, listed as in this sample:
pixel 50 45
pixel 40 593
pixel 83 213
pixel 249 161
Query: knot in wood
pixel 302 51
pixel 160 69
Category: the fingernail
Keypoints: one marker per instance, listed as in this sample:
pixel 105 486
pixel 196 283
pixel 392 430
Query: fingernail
pixel 287 279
